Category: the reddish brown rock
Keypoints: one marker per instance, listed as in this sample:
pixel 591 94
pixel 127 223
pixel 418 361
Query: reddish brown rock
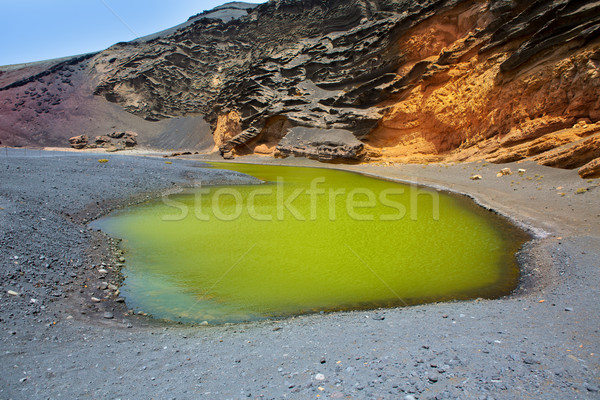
pixel 573 156
pixel 79 142
pixel 591 169
pixel 548 142
pixel 227 127
pixel 178 154
pixel 130 139
pixel 102 140
pixel 116 135
pixel 443 80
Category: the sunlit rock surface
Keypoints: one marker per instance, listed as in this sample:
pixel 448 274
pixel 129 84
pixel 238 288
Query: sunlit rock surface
pixel 411 81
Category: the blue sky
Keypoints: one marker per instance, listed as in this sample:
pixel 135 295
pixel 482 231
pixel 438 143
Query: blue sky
pixel 34 30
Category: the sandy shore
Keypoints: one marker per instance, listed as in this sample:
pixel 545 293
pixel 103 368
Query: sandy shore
pixel 541 342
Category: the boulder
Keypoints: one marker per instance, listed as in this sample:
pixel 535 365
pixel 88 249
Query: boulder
pixel 130 139
pixel 102 140
pixel 504 171
pixel 321 144
pixel 177 154
pixel 79 142
pixel 239 140
pixel 573 156
pixel 591 169
pixel 116 135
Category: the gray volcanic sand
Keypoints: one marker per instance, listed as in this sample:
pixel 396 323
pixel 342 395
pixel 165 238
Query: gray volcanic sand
pixel 540 342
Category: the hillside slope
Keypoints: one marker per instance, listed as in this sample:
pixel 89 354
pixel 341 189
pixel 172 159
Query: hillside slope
pixel 356 80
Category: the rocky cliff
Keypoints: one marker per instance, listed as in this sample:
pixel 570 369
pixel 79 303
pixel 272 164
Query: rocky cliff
pixel 354 80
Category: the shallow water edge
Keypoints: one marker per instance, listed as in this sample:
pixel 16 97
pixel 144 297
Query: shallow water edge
pixel 405 301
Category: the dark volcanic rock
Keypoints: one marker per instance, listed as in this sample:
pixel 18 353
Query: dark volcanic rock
pixel 321 144
pixel 552 24
pixel 330 65
pixel 116 135
pixel 348 64
pixel 227 12
pixel 326 66
pixel 130 139
pixel 239 140
pixel 79 142
pixel 124 140
pixel 102 140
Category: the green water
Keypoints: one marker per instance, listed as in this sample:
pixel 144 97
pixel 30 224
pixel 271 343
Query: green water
pixel 308 240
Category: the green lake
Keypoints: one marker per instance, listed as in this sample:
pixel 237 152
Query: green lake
pixel 308 240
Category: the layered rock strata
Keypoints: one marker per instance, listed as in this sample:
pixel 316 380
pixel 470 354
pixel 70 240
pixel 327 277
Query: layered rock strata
pixel 434 80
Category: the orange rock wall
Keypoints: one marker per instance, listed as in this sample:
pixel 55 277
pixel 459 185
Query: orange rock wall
pixel 455 102
pixel 469 109
pixel 228 126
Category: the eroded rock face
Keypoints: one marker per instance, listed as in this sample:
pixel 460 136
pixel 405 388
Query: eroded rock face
pixel 574 156
pixel 328 145
pixel 227 12
pixel 591 169
pixel 102 140
pixel 130 139
pixel 486 89
pixel 114 141
pixel 432 80
pixel 542 148
pixel 79 142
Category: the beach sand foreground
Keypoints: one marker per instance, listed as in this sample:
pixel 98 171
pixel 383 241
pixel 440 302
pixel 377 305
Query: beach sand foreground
pixel 57 342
